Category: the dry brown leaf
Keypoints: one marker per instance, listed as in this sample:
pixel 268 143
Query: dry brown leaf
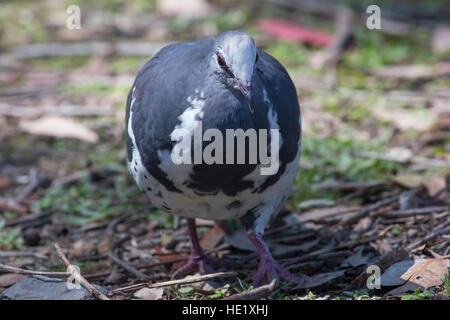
pixel 212 238
pixel 419 119
pixel 441 39
pixel 59 127
pixel 5 182
pixel 435 184
pixel 412 72
pixel 407 180
pixel 188 9
pixel 82 248
pixel 413 274
pixel 11 205
pixel 149 293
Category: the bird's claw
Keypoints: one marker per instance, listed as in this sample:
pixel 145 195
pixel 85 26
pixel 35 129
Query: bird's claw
pixel 270 269
pixel 200 261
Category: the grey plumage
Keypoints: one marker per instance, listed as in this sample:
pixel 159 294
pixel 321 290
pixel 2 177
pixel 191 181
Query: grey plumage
pixel 184 82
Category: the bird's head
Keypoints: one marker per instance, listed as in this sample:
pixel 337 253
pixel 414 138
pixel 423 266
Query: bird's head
pixel 235 56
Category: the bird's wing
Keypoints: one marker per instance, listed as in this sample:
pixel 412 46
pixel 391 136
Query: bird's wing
pixel 282 95
pixel 156 99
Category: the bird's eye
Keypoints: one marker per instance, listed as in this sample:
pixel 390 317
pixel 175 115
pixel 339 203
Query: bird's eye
pixel 221 61
pixel 257 57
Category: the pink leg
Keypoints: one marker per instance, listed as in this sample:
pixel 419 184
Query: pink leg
pixel 268 267
pixel 198 258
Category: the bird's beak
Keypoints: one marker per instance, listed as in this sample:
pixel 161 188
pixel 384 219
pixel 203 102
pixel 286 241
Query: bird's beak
pixel 245 90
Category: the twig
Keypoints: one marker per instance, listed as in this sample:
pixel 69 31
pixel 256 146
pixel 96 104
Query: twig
pixel 28 219
pixel 257 293
pixel 110 232
pixel 298 237
pixel 325 250
pixel 81 49
pixel 9 254
pixel 413 212
pixel 320 219
pixel 177 282
pixel 11 205
pixel 142 266
pixel 26 91
pixel 365 212
pixel 414 72
pixel 17 111
pixel 349 186
pixel 153 264
pixel 122 263
pixel 77 275
pixel 426 162
pixel 428 238
pixel 113 224
pixel 4 267
pixel 76 176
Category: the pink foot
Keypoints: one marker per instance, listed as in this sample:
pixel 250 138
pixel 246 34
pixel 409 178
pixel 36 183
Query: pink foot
pixel 268 268
pixel 198 259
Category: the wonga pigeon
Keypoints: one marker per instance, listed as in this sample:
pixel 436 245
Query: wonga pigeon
pixel 188 107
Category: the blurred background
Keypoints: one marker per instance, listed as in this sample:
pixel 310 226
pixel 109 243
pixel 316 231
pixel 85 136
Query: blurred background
pixel 374 97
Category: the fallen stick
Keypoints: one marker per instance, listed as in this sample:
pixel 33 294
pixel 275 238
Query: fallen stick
pixel 427 162
pixel 414 72
pixel 111 228
pixel 177 282
pixel 4 267
pixel 326 250
pixel 122 263
pixel 414 212
pixel 428 238
pixel 29 218
pixel 78 175
pixel 83 49
pixel 254 294
pixel 11 205
pixel 365 212
pixel 77 275
pixel 16 111
pixel 153 264
pixel 9 254
pixel 349 186
pixel 25 91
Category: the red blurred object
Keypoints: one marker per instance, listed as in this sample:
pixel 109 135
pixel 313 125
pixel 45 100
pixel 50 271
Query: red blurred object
pixel 292 32
pixel 170 257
